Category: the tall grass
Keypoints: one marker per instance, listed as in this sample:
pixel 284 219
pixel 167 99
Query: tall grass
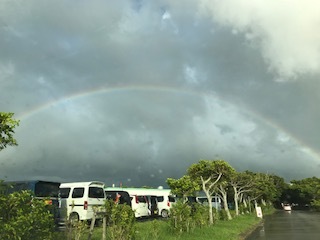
pixel 222 230
pixel 159 229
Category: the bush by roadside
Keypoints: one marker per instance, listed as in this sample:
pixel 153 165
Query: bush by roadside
pixel 23 217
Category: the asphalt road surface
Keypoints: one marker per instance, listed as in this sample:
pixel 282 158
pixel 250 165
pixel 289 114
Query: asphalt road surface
pixel 292 225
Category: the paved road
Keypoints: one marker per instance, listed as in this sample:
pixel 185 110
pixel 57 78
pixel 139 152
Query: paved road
pixel 294 225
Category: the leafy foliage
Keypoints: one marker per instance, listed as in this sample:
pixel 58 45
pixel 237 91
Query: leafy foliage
pixel 241 183
pixel 23 217
pixel 213 176
pixel 305 192
pixel 7 125
pixel 183 186
pixel 264 187
pixel 120 221
pixel 186 217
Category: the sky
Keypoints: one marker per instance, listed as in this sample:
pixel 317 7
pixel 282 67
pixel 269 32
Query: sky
pixel 135 91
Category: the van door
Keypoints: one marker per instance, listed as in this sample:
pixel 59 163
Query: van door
pixel 75 204
pixel 63 206
pixel 96 199
pixel 152 205
pixel 143 206
pixel 139 206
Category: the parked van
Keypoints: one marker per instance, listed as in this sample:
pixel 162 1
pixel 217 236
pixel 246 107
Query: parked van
pixel 77 200
pixel 138 201
pixel 165 199
pixel 216 201
pixel 43 190
pixel 165 202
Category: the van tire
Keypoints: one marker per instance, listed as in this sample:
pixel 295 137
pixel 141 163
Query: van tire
pixel 164 213
pixel 73 218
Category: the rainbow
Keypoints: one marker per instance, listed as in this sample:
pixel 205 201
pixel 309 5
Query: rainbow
pixel 169 90
pixel 104 90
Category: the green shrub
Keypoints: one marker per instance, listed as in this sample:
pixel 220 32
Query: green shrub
pixel 120 221
pixel 180 217
pixel 23 217
pixel 75 230
pixel 200 215
pixel 223 215
pixel 185 217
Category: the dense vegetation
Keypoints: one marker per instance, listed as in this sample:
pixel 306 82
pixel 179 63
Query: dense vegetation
pixel 23 217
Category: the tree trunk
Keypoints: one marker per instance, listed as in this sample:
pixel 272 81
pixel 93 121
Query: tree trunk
pixel 236 201
pixel 245 203
pixel 249 202
pixel 210 207
pixel 225 204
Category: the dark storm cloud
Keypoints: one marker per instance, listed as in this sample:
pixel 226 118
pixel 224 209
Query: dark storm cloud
pixel 136 91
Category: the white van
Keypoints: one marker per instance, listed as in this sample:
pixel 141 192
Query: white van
pixel 165 200
pixel 77 199
pixel 216 201
pixel 139 202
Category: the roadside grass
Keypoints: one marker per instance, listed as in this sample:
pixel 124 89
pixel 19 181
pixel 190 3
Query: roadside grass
pixel 158 229
pixel 222 230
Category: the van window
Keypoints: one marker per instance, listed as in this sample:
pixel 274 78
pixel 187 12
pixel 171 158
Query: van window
pixel 38 188
pixel 77 192
pixel 171 199
pixel 153 200
pixel 124 196
pixel 160 198
pixel 64 192
pixel 141 199
pixel 202 199
pixel 46 189
pixel 96 192
pixel 111 195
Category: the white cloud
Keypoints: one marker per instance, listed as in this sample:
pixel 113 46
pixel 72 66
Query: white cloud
pixel 285 30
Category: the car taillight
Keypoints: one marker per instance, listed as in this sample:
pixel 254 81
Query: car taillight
pixel 168 203
pixel 85 205
pixel 137 200
pixel 48 202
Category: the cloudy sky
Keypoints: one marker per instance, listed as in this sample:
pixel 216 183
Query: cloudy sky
pixel 136 91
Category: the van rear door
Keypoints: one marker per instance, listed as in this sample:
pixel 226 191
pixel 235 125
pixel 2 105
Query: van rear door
pixel 63 204
pixel 143 206
pixel 96 199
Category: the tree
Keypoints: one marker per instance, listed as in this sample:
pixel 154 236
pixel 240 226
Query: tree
pixel 223 185
pixel 308 189
pixel 207 174
pixel 281 187
pixel 263 189
pixel 241 183
pixel 183 186
pixel 7 125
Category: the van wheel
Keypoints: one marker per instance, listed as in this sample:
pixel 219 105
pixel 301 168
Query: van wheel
pixel 73 218
pixel 164 213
